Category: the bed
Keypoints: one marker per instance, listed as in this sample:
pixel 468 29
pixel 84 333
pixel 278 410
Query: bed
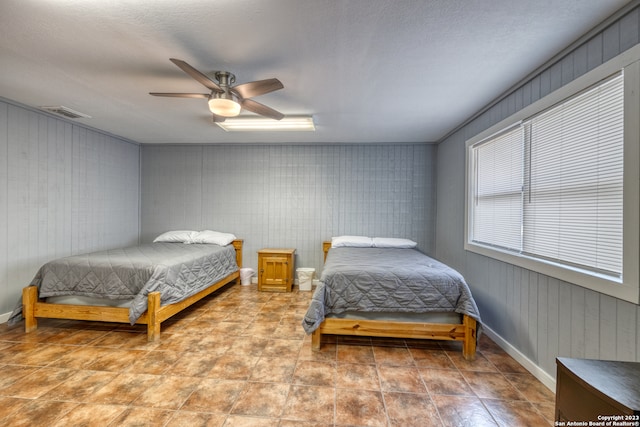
pixel 391 291
pixel 145 284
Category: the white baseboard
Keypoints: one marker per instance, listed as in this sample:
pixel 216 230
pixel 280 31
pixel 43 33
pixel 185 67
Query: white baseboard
pixel 4 317
pixel 529 365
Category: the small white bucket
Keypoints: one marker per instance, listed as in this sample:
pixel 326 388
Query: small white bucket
pixel 305 278
pixel 245 276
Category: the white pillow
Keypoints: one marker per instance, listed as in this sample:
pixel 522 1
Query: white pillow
pixel 391 242
pixel 352 241
pixel 176 236
pixel 213 237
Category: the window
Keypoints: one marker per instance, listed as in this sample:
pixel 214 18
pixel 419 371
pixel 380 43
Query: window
pixel 573 189
pixel 555 188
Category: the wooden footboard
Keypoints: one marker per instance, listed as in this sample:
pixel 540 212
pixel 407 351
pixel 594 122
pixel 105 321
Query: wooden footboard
pixel 32 308
pixel 465 331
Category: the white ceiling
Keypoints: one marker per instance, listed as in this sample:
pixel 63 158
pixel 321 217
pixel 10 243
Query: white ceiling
pixel 367 70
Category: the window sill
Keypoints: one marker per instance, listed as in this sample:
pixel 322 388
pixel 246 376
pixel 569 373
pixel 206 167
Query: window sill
pixel 608 285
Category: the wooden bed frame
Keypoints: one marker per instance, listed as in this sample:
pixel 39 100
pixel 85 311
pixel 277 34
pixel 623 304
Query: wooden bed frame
pixel 465 331
pixel 32 307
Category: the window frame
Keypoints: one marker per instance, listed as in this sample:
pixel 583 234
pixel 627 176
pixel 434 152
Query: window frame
pixel 628 288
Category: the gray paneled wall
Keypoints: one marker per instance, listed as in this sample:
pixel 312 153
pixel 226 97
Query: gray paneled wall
pixel 291 195
pixel 64 189
pixel 539 316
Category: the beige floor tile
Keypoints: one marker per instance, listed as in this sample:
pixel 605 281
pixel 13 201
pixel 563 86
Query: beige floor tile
pixel 315 373
pixel 194 364
pixel 43 354
pixel 115 359
pixel 463 411
pixel 431 358
pixel 308 403
pixel 532 389
pixel 273 369
pixel 515 413
pixel 9 374
pixel 357 376
pixel 480 363
pixel 247 421
pixel 11 405
pixel 262 400
pixel 360 407
pixel 282 348
pixel 154 362
pixel 38 383
pixel 196 419
pixel 409 410
pixel 490 385
pixel 230 367
pixel 38 412
pixel 80 386
pixel 355 354
pixel 505 363
pixel 401 378
pixel 297 423
pixel 82 337
pixel 215 396
pixel 240 358
pixel 169 392
pixel 137 416
pixel 123 389
pixel 89 414
pixel 445 381
pixel 327 352
pixel 394 356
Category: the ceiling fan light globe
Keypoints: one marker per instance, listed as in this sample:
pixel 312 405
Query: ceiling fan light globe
pixel 224 107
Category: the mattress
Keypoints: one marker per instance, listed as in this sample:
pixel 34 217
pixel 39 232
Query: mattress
pixel 387 280
pixel 176 270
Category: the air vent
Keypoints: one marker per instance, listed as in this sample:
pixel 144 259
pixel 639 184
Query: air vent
pixel 66 111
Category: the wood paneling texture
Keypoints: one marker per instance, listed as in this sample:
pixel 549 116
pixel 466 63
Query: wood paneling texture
pixel 541 317
pixel 291 195
pixel 64 189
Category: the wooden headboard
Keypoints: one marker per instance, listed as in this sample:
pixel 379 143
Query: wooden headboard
pixel 237 245
pixel 326 245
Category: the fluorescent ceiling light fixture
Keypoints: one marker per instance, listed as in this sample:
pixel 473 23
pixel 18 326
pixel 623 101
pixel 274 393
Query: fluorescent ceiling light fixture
pixel 288 123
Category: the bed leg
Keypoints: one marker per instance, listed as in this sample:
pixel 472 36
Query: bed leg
pixel 153 324
pixel 469 343
pixel 316 338
pixel 29 299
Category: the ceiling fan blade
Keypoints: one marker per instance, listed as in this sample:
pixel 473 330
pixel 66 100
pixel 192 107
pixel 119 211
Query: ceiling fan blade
pixel 203 79
pixel 263 110
pixel 259 87
pixel 181 95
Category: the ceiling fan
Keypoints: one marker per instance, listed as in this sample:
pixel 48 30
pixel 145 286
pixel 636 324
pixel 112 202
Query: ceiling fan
pixel 226 100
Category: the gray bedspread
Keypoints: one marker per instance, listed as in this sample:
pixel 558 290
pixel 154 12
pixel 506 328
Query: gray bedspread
pixel 387 280
pixel 175 270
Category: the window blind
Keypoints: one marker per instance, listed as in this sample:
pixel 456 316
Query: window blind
pixel 497 215
pixel 573 182
pixel 552 186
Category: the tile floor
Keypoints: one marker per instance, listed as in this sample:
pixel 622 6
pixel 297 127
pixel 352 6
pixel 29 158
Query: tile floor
pixel 240 358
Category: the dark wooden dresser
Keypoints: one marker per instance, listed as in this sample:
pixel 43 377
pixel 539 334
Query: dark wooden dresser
pixel 591 390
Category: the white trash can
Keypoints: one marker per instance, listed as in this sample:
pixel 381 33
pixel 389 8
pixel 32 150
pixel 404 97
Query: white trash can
pixel 245 276
pixel 305 278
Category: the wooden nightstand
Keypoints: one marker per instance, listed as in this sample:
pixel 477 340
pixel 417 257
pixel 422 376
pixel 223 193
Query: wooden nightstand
pixel 275 269
pixel 587 390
